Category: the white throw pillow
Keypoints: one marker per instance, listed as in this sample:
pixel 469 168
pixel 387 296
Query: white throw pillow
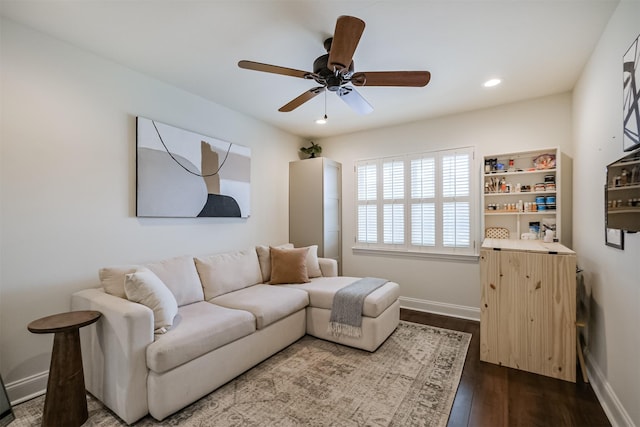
pixel 146 288
pixel 313 266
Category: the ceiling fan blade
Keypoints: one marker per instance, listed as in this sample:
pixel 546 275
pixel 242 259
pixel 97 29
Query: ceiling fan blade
pixel 306 96
pixel 354 100
pixel 391 78
pixel 345 40
pixel 258 66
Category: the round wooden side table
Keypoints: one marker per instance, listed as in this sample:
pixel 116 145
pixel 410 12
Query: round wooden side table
pixel 65 403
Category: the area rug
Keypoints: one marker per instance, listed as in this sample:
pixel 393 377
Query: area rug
pixel 411 380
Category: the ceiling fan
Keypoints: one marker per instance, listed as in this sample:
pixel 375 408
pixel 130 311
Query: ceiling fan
pixel 335 72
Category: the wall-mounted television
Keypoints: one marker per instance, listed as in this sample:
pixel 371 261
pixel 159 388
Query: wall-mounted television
pixel 623 193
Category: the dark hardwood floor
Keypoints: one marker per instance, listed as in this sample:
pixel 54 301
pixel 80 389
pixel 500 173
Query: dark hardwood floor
pixel 494 396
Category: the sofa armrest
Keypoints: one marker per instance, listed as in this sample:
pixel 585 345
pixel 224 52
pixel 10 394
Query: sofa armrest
pixel 328 267
pixel 114 352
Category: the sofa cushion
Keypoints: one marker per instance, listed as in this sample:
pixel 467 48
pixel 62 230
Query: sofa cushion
pixel 112 278
pixel 267 303
pixel 264 257
pixel 181 277
pixel 145 288
pixel 198 329
pixel 178 274
pixel 228 272
pixel 322 289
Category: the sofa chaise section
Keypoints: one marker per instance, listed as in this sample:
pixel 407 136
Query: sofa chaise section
pixel 380 312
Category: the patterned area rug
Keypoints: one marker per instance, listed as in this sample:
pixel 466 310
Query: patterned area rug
pixel 411 380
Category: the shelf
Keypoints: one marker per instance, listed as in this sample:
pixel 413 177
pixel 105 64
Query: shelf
pixel 503 212
pixel 620 188
pixel 525 193
pixel 524 172
pixel 625 210
pixel 627 163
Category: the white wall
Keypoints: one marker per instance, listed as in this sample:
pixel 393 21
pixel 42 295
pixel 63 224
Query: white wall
pixel 68 184
pixel 612 275
pixel 448 287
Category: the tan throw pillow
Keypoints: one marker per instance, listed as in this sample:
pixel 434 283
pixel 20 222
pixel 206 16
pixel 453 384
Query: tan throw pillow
pixel 288 266
pixel 144 287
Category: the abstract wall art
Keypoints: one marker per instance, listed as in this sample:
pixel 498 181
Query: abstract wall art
pixel 631 96
pixel 182 174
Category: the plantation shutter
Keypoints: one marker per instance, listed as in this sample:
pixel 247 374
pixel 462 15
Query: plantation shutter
pixel 367 203
pixel 423 203
pixel 456 203
pixel 393 202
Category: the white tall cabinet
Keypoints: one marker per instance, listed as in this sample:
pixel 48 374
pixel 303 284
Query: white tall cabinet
pixel 315 188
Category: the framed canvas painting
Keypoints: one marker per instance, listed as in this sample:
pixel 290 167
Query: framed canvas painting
pixel 631 97
pixel 182 174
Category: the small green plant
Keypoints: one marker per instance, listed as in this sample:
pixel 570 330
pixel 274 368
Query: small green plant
pixel 312 151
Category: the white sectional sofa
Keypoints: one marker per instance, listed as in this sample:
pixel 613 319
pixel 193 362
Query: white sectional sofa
pixel 228 320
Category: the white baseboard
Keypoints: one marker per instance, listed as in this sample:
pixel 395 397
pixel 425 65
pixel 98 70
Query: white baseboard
pixel 453 310
pixel 610 403
pixel 27 388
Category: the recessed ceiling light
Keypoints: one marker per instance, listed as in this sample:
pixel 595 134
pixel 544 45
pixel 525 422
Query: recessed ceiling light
pixel 492 83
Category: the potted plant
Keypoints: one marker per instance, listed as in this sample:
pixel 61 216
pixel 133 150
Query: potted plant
pixel 312 151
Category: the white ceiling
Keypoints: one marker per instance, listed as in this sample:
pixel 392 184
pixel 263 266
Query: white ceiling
pixel 537 47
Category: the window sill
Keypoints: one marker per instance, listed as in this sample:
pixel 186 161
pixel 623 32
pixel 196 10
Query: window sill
pixel 471 258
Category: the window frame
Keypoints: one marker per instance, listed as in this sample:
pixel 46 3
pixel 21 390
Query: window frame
pixel 407 248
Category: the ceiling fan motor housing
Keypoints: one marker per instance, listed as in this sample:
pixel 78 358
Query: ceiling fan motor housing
pixel 328 77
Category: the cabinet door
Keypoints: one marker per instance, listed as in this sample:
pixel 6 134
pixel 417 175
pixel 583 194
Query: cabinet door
pixel 503 328
pixel 331 221
pixel 489 306
pixel 551 284
pixel 513 299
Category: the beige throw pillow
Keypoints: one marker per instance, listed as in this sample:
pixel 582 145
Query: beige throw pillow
pixel 146 288
pixel 289 266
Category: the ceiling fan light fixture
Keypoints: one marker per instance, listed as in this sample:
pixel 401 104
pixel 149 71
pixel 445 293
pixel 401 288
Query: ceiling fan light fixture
pixel 492 83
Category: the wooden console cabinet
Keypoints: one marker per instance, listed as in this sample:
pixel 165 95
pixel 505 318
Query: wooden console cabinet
pixel 528 306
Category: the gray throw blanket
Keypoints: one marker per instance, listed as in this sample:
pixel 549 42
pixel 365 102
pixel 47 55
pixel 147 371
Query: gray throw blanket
pixel 346 312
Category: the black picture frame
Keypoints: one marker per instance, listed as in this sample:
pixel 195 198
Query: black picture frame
pixel 631 97
pixel 612 236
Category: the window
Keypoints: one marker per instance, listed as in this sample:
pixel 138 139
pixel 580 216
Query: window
pixel 417 203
